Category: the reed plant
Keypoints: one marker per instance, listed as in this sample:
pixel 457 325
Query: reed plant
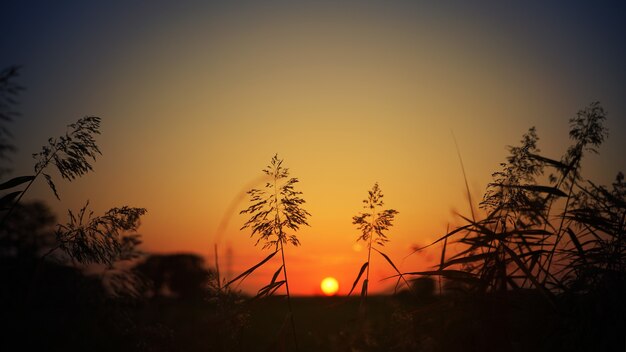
pixel 373 223
pixel 276 213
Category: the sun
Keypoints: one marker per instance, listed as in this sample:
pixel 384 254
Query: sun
pixel 329 286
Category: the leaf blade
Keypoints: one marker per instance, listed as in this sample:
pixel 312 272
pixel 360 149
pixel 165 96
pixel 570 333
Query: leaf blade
pixel 16 181
pixel 363 267
pixel 251 269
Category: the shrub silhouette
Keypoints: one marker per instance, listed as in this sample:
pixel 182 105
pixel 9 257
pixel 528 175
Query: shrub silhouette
pixel 29 232
pixel 180 275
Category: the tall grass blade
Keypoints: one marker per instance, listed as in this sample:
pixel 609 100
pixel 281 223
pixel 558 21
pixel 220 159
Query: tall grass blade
pixel 365 265
pixel 537 188
pixel 251 270
pixel 16 181
pixel 449 273
pixel 555 163
pixel 276 274
pixel 217 268
pixel 465 260
pixel 269 289
pixel 443 253
pixel 443 258
pixel 364 289
pixel 445 237
pixel 469 194
pixel 388 260
pixel 394 267
pixel 579 247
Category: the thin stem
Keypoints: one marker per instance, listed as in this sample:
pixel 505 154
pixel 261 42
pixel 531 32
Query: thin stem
pixel 560 229
pixel 217 268
pixel 282 254
pixel 293 324
pixel 574 165
pixel 469 194
pixel 369 249
pixel 367 274
pixel 443 257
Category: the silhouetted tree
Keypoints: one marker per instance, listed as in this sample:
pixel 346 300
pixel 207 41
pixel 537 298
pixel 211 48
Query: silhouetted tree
pixel 178 275
pixel 424 288
pixel 29 232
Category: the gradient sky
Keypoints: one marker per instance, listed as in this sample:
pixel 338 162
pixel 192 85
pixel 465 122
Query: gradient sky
pixel 196 97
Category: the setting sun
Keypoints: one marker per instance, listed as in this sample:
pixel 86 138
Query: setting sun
pixel 329 286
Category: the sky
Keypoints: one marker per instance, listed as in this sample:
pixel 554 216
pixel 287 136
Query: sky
pixel 196 97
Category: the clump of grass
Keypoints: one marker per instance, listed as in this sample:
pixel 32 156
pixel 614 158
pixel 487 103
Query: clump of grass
pixel 275 209
pixel 548 229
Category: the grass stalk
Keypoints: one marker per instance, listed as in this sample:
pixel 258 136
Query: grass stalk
pixel 369 253
pixel 293 323
pixel 467 189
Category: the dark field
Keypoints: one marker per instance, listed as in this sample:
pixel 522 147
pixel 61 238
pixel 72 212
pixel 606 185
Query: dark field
pixel 521 322
pixel 53 307
pixel 323 323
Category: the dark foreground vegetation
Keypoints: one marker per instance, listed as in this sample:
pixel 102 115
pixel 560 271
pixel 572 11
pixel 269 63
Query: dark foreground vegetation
pixel 540 267
pixel 79 316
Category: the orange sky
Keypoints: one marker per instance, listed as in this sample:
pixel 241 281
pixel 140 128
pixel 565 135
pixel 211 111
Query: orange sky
pixel 195 100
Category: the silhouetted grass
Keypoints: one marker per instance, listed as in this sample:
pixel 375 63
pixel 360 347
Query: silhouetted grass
pixel 274 210
pixel 373 223
pixel 546 230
